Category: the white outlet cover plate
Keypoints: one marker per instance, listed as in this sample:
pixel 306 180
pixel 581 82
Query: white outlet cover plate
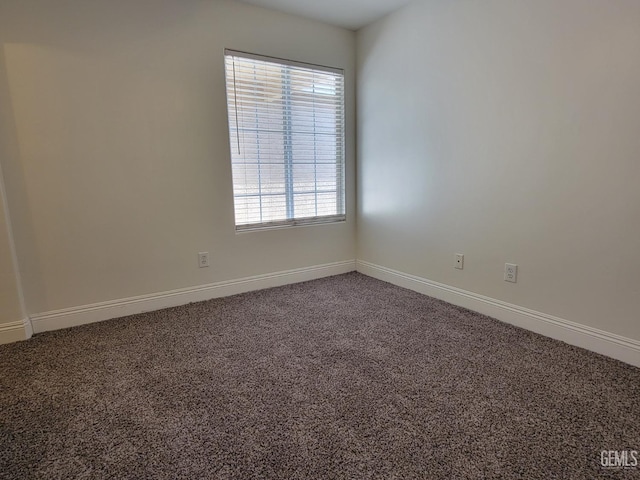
pixel 203 259
pixel 459 261
pixel 510 272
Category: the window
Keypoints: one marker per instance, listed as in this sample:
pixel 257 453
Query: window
pixel 286 130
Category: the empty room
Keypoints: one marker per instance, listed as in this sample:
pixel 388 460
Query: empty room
pixel 338 239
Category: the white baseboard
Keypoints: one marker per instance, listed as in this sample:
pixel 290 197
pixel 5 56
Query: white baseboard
pixel 15 331
pixel 70 317
pixel 599 341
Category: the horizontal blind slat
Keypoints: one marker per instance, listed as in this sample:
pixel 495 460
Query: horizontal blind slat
pixel 286 129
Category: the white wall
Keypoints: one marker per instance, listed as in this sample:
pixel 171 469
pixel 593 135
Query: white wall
pixel 116 151
pixel 508 131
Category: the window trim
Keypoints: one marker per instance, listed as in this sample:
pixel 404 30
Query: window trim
pixel 340 174
pixel 294 222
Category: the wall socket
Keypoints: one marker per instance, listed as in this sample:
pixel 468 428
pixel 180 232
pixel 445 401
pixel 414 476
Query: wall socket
pixel 459 261
pixel 510 272
pixel 203 259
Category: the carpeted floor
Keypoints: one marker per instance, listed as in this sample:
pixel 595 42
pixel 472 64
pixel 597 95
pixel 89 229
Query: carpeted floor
pixel 343 377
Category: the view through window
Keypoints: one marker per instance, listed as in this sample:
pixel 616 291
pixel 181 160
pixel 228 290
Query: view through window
pixel 286 130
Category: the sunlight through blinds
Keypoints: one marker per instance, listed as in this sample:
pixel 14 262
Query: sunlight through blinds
pixel 286 130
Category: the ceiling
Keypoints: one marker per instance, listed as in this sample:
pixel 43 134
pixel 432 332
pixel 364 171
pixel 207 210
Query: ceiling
pixel 351 14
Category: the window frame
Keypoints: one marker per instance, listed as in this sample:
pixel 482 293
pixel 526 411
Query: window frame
pixel 340 162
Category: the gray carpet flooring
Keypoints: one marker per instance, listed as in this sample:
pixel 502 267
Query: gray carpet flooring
pixel 345 377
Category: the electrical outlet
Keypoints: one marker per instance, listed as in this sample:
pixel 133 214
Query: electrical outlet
pixel 459 261
pixel 203 259
pixel 510 272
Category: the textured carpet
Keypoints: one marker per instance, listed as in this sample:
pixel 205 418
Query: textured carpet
pixel 343 377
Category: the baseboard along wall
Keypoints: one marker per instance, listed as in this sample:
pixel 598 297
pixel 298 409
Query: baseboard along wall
pixel 599 341
pixel 15 331
pixel 71 317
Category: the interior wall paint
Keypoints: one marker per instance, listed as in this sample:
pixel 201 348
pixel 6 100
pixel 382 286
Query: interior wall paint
pixel 10 302
pixel 506 131
pixel 117 151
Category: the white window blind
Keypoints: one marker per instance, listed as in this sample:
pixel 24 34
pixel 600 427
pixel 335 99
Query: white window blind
pixel 286 130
